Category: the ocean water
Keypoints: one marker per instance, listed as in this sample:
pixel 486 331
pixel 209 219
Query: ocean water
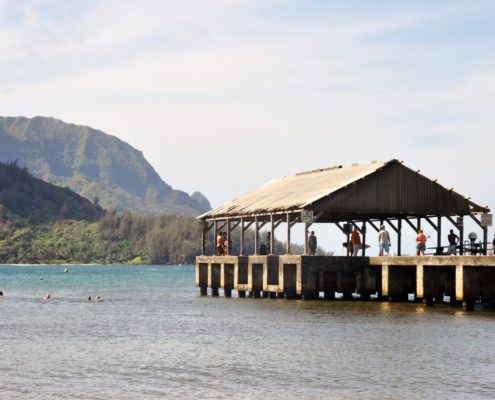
pixel 154 337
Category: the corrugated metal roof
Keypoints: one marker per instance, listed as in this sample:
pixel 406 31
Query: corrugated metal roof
pixel 295 192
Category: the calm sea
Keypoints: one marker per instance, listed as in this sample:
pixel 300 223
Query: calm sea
pixel 155 337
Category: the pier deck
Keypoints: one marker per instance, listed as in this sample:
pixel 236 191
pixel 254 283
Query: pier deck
pixel 465 279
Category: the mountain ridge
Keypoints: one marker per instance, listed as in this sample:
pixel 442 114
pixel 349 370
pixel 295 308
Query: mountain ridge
pixel 94 165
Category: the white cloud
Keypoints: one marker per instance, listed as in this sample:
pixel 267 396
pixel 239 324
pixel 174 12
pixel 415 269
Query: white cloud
pixel 227 88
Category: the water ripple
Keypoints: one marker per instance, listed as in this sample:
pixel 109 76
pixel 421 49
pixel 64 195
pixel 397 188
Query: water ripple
pixel 154 337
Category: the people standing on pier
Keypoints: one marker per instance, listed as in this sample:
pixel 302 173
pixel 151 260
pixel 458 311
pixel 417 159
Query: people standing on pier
pixel 312 243
pixel 355 241
pixel 420 243
pixel 384 242
pixel 453 241
pixel 220 244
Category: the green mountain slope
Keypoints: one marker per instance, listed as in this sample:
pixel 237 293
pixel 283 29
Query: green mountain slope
pixel 93 164
pixel 36 201
pixel 43 223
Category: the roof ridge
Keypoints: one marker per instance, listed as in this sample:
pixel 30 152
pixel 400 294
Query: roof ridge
pixel 318 170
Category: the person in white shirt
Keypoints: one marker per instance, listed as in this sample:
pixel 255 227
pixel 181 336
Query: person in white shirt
pixel 383 241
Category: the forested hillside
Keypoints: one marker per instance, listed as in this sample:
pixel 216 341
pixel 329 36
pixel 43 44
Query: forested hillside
pixel 92 163
pixel 38 201
pixel 43 223
pixel 116 238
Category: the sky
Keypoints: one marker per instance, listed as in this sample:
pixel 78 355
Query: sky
pixel 222 96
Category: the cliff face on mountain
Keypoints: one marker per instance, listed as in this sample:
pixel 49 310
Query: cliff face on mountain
pixel 95 165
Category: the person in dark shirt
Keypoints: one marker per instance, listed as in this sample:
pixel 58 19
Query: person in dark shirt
pixel 312 244
pixel 453 240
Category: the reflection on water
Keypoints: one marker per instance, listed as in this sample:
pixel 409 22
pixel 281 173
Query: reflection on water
pixel 155 337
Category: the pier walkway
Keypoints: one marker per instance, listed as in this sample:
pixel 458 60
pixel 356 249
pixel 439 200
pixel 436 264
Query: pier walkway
pixel 464 279
pixel 362 200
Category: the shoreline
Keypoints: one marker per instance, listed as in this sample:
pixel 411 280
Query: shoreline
pixel 88 265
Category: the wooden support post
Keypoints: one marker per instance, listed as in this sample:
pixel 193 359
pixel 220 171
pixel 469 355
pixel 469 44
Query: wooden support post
pixel 485 240
pixel 347 231
pixel 227 245
pixel 288 234
pixel 418 227
pixel 272 234
pixel 241 244
pixel 399 236
pixel 306 229
pixel 256 235
pixel 203 237
pixel 461 234
pixel 215 233
pixel 363 230
pixel 439 235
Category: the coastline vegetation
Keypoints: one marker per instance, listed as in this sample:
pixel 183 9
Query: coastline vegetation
pixel 115 238
pixel 41 223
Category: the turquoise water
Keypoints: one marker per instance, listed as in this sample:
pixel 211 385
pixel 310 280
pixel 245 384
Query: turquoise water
pixel 153 336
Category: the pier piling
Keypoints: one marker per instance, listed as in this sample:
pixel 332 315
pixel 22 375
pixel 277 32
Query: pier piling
pixel 463 279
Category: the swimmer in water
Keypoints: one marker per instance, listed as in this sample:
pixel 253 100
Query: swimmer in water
pixel 48 296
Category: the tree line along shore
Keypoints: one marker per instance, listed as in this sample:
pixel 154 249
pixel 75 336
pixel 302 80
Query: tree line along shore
pixel 41 223
pixel 115 238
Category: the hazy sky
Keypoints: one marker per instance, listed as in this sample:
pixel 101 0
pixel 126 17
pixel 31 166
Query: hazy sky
pixel 222 96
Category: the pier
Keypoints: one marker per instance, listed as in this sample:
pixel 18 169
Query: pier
pixel 429 279
pixel 363 198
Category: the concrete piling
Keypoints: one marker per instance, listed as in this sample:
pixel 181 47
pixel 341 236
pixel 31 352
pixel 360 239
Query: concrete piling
pixel 464 279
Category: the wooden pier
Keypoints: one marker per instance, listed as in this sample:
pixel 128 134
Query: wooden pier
pixel 364 199
pixel 464 279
